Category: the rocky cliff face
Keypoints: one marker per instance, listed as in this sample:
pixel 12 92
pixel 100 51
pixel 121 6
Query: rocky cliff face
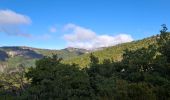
pixel 12 53
pixel 19 51
pixel 26 53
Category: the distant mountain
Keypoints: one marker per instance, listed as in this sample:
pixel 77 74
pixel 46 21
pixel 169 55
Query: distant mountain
pixel 21 51
pixel 77 50
pixel 15 55
pixel 66 53
pixel 12 56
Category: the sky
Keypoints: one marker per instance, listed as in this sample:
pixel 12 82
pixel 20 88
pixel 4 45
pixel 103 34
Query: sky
pixel 89 24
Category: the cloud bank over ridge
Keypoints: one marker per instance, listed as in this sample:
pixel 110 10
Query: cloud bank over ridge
pixel 81 37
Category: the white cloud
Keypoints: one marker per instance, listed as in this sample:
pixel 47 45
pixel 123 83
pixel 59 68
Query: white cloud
pixel 78 33
pixel 81 37
pixel 10 17
pixel 53 29
pixel 11 22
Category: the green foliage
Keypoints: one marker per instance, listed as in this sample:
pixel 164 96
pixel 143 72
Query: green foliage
pixel 15 61
pixel 53 80
pixel 64 53
pixel 140 91
pixel 114 53
pixel 93 59
pixel 12 83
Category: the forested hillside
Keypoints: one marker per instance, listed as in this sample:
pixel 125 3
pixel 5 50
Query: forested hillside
pixel 113 53
pixel 141 74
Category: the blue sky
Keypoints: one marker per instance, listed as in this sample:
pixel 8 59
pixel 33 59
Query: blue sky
pixel 56 24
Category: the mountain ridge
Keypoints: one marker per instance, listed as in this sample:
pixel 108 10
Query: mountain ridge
pixel 15 55
pixel 113 53
pixel 12 56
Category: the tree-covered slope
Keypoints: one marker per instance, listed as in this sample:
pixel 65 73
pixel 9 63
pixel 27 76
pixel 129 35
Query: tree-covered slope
pixel 113 53
pixel 66 53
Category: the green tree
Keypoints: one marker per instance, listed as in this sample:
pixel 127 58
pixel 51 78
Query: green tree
pixel 13 82
pixel 53 80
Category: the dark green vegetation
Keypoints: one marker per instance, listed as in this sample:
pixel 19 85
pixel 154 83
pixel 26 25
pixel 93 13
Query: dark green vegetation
pixel 142 74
